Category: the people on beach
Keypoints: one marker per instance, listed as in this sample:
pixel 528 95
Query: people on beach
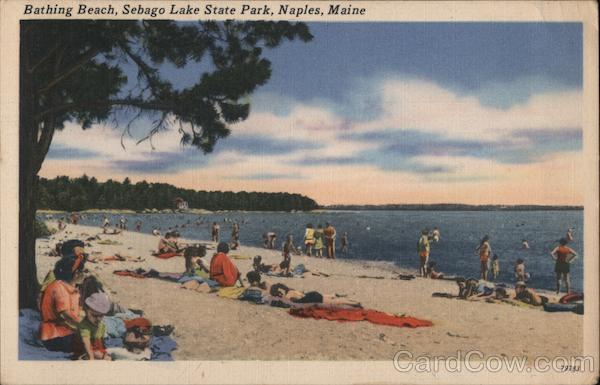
pixel 288 249
pixel 344 243
pixel 423 252
pixel 260 267
pixel 222 269
pixel 526 295
pixel 170 244
pixel 570 234
pixel 235 236
pixel 563 256
pixel 74 218
pixel 89 341
pixel 105 222
pixel 319 241
pixel 156 232
pixel 330 234
pixel 520 273
pixel 123 223
pixel 435 234
pixel 192 257
pixel 61 225
pixel 432 273
pixel 138 225
pixel 495 266
pixel 309 239
pixel 484 250
pixel 60 306
pixel 215 229
pixel 272 240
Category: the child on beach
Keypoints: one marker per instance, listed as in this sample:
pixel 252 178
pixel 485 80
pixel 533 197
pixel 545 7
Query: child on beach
pixel 431 273
pixel 495 266
pixel 288 249
pixel 520 273
pixel 345 243
pixel 89 343
pixel 319 241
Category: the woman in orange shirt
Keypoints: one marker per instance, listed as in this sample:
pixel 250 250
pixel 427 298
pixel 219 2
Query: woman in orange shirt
pixel 563 255
pixel 60 308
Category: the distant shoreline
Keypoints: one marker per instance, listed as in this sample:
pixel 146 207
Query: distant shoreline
pixel 332 209
pixel 451 207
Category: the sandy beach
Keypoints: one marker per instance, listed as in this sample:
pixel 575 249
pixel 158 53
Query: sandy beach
pixel 211 328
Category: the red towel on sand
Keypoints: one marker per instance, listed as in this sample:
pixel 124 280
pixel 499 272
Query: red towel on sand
pixel 372 316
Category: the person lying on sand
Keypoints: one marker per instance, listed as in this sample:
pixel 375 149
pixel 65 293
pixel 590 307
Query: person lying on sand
pixel 279 290
pixel 111 232
pixel 529 296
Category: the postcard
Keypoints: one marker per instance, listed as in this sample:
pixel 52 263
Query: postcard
pixel 269 192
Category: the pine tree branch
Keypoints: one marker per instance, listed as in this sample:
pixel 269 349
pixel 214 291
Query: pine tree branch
pixel 85 58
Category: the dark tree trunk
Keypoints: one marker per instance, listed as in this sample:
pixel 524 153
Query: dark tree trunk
pixel 28 168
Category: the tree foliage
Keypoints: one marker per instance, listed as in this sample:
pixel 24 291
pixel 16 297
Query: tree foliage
pixel 63 193
pixel 85 71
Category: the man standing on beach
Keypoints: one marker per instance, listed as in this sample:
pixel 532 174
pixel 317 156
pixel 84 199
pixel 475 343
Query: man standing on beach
pixel 423 250
pixel 485 250
pixel 330 233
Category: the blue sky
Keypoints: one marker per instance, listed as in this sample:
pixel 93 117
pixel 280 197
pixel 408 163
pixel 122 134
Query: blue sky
pixel 472 105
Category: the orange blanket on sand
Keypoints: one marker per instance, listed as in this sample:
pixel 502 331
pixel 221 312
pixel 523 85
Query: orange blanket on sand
pixel 372 316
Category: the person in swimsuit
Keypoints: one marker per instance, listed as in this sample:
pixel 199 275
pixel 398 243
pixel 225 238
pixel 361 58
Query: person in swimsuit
pixel 309 239
pixel 484 250
pixel 423 251
pixel 319 241
pixel 563 256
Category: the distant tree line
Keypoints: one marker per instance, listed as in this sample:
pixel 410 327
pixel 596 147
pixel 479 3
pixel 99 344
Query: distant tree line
pixel 452 207
pixel 76 194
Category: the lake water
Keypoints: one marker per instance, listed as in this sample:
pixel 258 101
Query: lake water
pixel 392 236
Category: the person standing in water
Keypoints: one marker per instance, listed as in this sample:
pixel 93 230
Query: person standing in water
pixel 423 251
pixel 435 234
pixel 569 236
pixel 484 250
pixel 214 232
pixel 345 243
pixel 563 255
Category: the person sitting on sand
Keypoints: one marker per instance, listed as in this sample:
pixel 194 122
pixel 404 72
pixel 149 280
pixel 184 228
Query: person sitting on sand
pixel 319 241
pixel 495 266
pixel 169 244
pixel 155 232
pixel 192 257
pixel 106 231
pixel 467 288
pixel 520 273
pixel 529 296
pixel 423 251
pixel 89 341
pixel 222 269
pixel 260 267
pixel 431 273
pixel 59 306
pixel 563 256
pixel 309 239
